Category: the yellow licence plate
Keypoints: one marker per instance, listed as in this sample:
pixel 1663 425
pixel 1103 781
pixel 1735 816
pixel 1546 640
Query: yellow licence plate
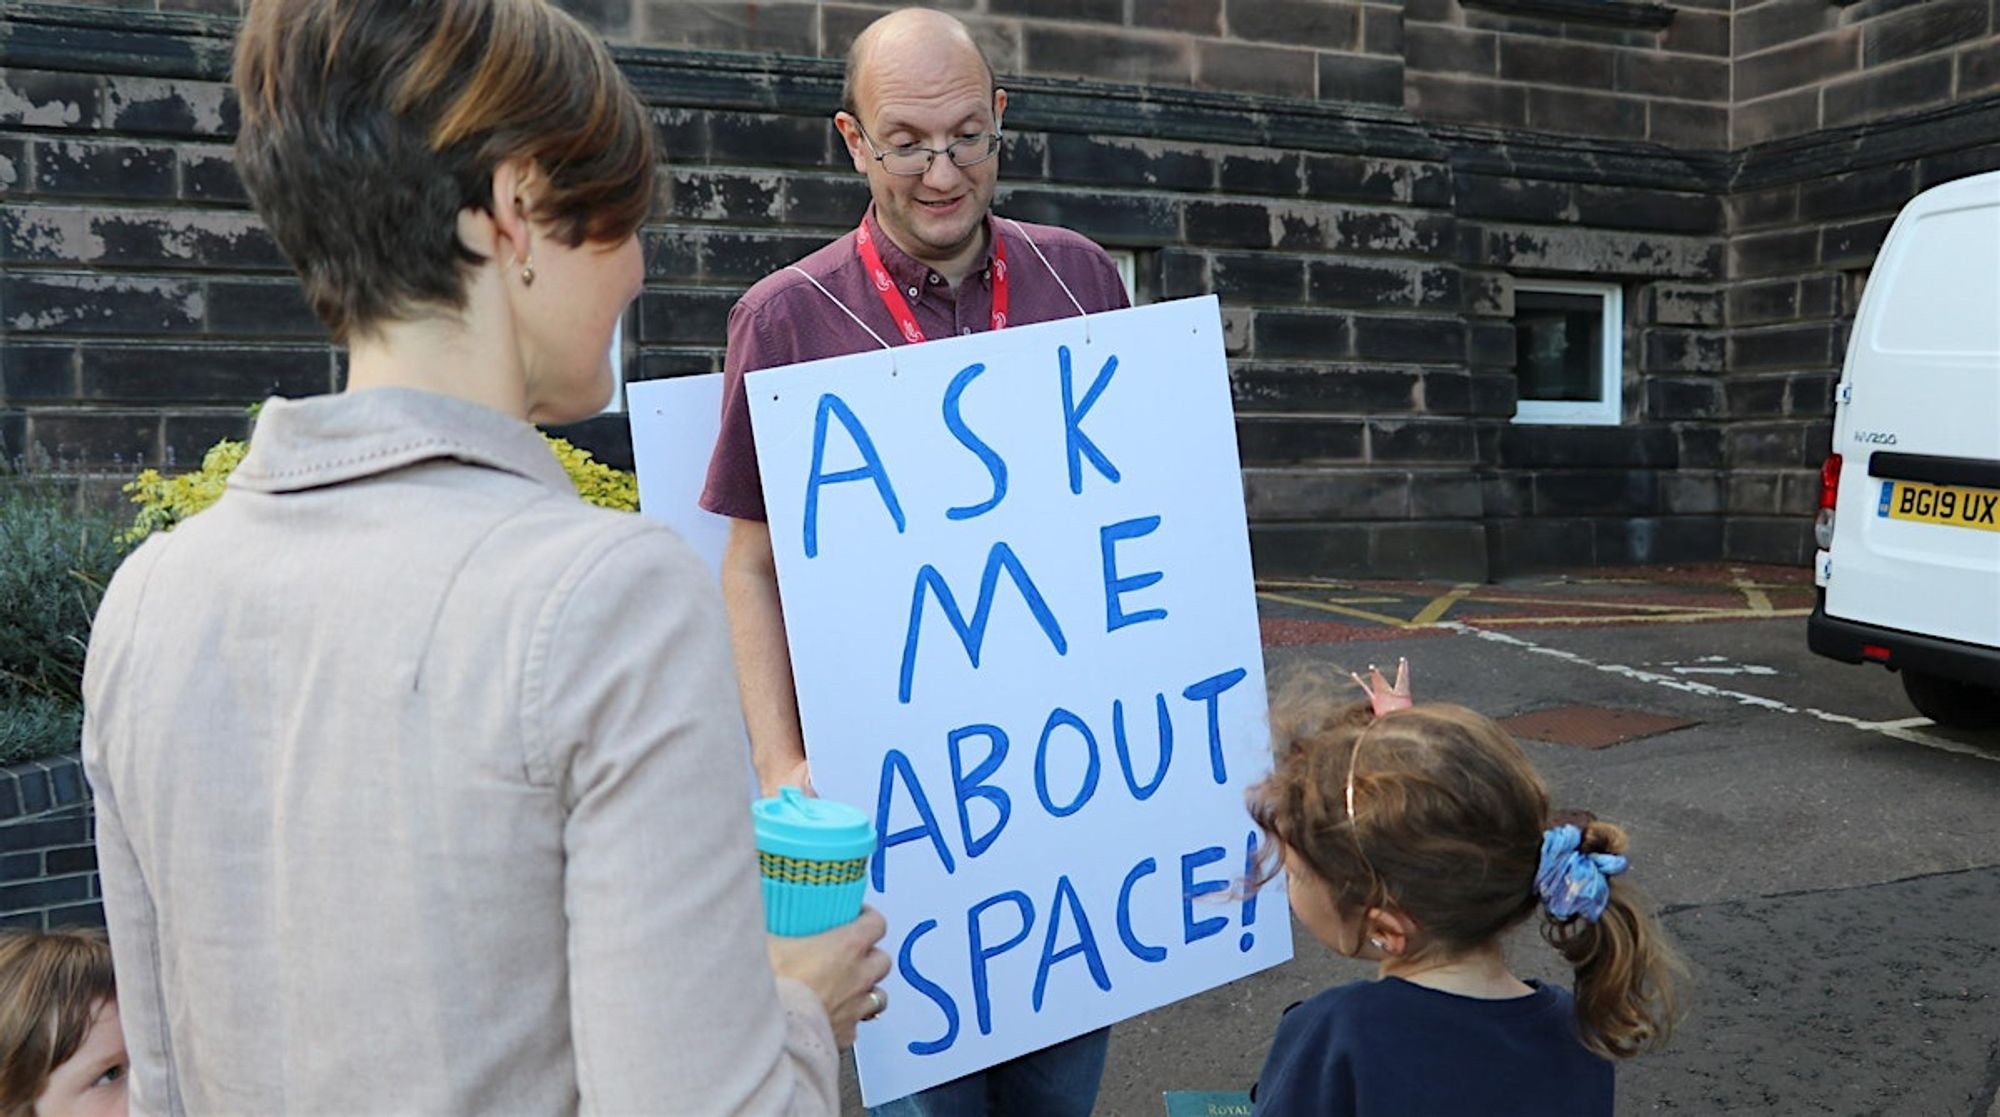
pixel 1940 504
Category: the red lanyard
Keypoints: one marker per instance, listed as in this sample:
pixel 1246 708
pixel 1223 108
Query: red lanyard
pixel 899 309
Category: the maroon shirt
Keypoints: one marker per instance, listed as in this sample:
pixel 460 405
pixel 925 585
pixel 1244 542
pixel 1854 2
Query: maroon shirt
pixel 785 320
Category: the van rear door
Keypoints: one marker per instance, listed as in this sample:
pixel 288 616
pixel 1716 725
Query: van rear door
pixel 1917 533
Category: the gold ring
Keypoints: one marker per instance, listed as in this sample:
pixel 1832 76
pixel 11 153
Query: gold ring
pixel 876 1003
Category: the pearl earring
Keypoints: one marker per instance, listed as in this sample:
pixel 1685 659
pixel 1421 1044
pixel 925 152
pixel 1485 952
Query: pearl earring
pixel 1379 945
pixel 528 273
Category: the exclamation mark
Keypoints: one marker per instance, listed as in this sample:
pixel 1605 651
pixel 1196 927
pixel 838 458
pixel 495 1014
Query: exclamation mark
pixel 1250 898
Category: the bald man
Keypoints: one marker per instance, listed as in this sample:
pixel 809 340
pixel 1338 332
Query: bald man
pixel 921 117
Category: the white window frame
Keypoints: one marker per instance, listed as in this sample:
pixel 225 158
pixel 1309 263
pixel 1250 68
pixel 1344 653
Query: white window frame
pixel 1609 410
pixel 1128 271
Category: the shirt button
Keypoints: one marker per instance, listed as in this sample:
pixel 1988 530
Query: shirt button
pixel 965 329
pixel 913 292
pixel 935 280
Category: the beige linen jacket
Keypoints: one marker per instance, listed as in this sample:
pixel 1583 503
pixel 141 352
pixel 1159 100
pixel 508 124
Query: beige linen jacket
pixel 420 789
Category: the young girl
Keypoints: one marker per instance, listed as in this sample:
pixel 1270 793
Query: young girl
pixel 1414 837
pixel 61 1051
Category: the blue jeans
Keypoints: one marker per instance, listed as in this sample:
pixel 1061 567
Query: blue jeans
pixel 1059 1081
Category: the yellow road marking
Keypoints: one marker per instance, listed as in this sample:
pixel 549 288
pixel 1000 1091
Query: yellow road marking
pixel 1647 618
pixel 1342 610
pixel 1367 600
pixel 1758 600
pixel 1440 605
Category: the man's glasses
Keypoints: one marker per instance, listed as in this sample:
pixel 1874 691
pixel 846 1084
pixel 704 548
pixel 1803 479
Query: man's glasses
pixel 912 160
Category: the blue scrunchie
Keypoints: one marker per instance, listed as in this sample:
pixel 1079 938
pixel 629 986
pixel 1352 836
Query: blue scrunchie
pixel 1572 883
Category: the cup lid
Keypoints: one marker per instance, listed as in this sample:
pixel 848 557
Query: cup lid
pixel 794 823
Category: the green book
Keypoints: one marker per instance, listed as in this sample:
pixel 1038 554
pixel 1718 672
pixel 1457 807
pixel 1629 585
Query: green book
pixel 1208 1103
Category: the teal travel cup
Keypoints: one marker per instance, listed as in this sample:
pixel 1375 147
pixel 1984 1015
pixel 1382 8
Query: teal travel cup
pixel 813 857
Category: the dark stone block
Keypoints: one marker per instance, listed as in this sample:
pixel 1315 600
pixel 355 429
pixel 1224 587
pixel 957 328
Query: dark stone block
pixel 32 372
pixel 1434 550
pixel 1672 350
pixel 1767 445
pixel 1196 17
pixel 200 374
pixel 700 194
pixel 1465 101
pixel 1595 114
pixel 1922 29
pixel 1181 273
pixel 1755 209
pixel 1694 398
pixel 1113 218
pixel 1538 446
pixel 828 202
pixel 96 169
pixel 1881 93
pixel 1701 447
pixel 210 176
pixel 1694 32
pixel 1791 251
pixel 671 253
pixel 33 784
pixel 724 25
pixel 77 859
pixel 43 893
pixel 682 133
pixel 762 139
pixel 1100 11
pixel 19 866
pixel 606 17
pixel 1265 70
pixel 66 780
pixel 1676 304
pixel 1354 283
pixel 250 308
pixel 1262 173
pixel 1372 81
pixel 1691 493
pixel 1117 162
pixel 1445 496
pixel 1935 169
pixel 1417 441
pixel 1023 155
pixel 1430 185
pixel 152 106
pixel 1797 64
pixel 1308 550
pixel 1513 199
pixel 1875 191
pixel 1409 339
pixel 1550 62
pixel 1653 210
pixel 1755 303
pixel 99 304
pixel 1810 395
pixel 1683 126
pixel 1357 178
pixel 1855 243
pixel 1449 50
pixel 50 99
pixel 662 364
pixel 1257 277
pixel 1382 31
pixel 1310 494
pixel 1283 333
pixel 1821 296
pixel 1311 388
pixel 184 239
pixel 77 915
pixel 1597 492
pixel 1762 398
pixel 1522 546
pixel 1792 347
pixel 66 828
pixel 1108 55
pixel 1979 69
pixel 1284 440
pixel 185 438
pixel 1782 21
pixel 747 257
pixel 1312 23
pixel 1229 224
pixel 1494 396
pixel 1396 233
pixel 673 315
pixel 1447 393
pixel 1761 539
pixel 1788 114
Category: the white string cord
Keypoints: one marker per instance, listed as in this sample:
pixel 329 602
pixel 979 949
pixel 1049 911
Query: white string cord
pixel 843 306
pixel 1080 312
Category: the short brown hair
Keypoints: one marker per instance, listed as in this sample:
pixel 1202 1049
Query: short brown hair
pixel 52 984
pixel 1447 829
pixel 369 124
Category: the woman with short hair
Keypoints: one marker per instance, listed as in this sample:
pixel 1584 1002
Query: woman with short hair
pixel 419 781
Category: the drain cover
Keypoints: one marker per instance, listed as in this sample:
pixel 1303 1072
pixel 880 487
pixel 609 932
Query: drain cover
pixel 1590 727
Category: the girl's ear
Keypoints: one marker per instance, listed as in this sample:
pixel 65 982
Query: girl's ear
pixel 1389 932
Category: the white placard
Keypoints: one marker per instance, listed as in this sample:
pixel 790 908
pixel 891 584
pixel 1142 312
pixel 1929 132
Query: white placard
pixel 674 425
pixel 1012 564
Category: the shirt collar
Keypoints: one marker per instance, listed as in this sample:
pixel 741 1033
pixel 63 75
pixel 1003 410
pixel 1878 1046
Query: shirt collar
pixel 326 440
pixel 908 272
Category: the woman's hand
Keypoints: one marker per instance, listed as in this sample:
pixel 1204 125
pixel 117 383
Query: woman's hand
pixel 842 967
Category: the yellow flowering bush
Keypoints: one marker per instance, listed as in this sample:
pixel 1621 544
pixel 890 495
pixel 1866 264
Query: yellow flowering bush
pixel 165 501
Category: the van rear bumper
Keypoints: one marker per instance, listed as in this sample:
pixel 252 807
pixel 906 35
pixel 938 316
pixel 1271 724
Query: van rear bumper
pixel 1928 655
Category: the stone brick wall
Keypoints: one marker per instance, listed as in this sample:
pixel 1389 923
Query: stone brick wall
pixel 48 855
pixel 1804 65
pixel 1616 68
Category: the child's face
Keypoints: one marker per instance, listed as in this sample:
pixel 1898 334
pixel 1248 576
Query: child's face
pixel 91 1083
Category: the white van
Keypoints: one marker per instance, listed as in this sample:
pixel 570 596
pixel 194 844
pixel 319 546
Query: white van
pixel 1909 524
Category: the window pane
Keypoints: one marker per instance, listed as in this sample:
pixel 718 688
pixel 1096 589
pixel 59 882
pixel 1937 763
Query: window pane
pixel 1559 346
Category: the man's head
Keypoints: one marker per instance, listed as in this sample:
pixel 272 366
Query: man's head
pixel 915 79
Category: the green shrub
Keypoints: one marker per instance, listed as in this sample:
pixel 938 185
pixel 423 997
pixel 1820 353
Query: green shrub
pixel 54 564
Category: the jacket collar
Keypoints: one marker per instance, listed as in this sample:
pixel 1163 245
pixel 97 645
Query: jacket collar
pixel 327 440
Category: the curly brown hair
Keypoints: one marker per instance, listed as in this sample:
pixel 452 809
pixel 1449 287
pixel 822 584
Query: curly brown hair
pixel 1447 829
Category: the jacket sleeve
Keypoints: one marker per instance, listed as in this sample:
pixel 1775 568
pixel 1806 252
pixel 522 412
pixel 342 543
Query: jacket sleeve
pixel 674 1007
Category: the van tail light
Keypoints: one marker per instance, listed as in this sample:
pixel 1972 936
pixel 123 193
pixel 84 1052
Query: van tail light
pixel 1876 652
pixel 1829 495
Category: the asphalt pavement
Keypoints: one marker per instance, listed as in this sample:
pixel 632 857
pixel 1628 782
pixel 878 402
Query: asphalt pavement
pixel 1827 861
